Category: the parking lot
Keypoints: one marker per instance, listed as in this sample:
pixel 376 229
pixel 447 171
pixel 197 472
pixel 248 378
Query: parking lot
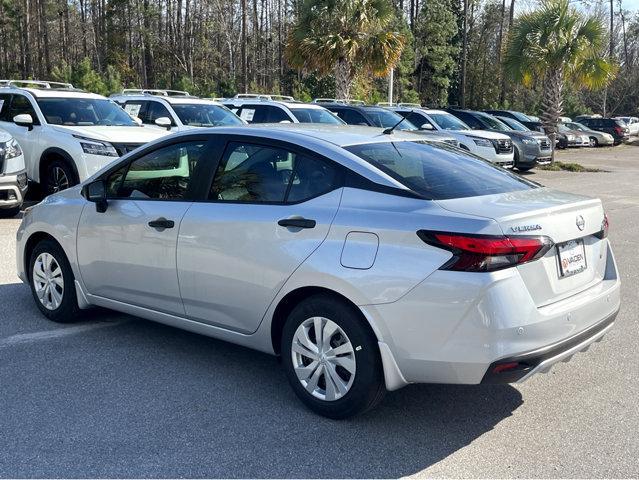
pixel 116 396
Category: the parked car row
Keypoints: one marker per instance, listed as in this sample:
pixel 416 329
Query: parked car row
pixel 65 135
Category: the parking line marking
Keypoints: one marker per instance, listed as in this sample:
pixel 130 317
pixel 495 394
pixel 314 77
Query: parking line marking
pixel 32 337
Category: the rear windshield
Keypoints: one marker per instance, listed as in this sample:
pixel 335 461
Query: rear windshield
pixel 437 172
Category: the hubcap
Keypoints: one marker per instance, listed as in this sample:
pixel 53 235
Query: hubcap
pixel 59 180
pixel 323 358
pixel 48 281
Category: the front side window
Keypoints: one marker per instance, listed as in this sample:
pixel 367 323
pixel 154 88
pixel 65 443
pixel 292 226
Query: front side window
pixel 83 112
pixel 514 124
pixel 493 123
pixel 446 121
pixel 438 173
pixel 315 115
pixel 261 174
pixel 381 117
pixel 164 174
pixel 275 115
pixel 350 116
pixel 155 110
pixel 21 105
pixel 205 115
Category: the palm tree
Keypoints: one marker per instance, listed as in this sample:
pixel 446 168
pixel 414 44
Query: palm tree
pixel 557 45
pixel 345 37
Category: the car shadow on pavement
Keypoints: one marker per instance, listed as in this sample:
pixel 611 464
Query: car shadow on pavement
pixel 141 399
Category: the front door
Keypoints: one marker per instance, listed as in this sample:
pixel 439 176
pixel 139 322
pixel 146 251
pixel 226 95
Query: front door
pixel 269 208
pixel 127 253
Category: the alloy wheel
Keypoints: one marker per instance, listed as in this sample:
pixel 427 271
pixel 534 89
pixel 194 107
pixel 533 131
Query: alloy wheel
pixel 48 281
pixel 59 180
pixel 323 358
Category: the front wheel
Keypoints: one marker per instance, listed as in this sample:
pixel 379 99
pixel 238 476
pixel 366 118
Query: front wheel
pixel 593 142
pixel 332 358
pixel 52 282
pixel 59 176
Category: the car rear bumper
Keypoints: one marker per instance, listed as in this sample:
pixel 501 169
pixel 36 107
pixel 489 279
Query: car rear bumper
pixel 455 326
pixel 521 367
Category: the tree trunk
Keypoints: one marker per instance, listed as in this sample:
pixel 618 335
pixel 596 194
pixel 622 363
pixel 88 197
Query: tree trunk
pixel 244 60
pixel 552 103
pixel 343 79
pixel 462 89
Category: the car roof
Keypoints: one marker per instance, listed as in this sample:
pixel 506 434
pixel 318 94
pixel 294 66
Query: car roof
pixel 173 100
pixel 52 92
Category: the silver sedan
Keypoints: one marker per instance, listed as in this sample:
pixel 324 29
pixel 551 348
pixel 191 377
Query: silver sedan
pixel 366 260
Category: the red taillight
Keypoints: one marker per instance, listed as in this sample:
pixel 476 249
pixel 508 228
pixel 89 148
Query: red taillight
pixel 619 131
pixel 604 227
pixel 486 253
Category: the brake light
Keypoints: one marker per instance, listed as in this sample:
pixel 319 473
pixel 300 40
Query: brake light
pixel 486 253
pixel 619 130
pixel 603 233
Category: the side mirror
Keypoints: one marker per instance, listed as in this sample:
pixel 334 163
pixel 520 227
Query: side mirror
pixel 164 122
pixel 24 120
pixel 96 192
pixel 426 126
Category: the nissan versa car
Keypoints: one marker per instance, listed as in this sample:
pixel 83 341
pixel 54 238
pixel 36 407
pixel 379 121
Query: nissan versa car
pixel 366 260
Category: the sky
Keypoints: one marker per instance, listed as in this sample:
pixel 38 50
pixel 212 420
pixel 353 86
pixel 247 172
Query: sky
pixel 631 4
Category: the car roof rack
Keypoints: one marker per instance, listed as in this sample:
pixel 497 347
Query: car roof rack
pixel 409 105
pixel 44 84
pixel 343 101
pixel 163 92
pixel 264 97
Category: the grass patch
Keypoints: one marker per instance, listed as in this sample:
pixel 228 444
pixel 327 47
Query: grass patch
pixel 568 167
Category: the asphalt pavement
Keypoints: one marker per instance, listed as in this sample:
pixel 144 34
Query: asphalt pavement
pixel 117 396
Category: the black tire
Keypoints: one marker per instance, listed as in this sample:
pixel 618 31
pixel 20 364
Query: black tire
pixel 9 212
pixel 67 311
pixel 524 169
pixel 59 176
pixel 594 142
pixel 516 158
pixel 368 387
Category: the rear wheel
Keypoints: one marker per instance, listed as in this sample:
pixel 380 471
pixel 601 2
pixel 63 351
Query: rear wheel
pixel 59 176
pixel 52 282
pixel 331 358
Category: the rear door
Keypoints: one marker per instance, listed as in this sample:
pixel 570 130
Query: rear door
pixel 269 206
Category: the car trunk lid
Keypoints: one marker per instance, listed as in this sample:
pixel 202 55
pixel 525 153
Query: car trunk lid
pixel 563 217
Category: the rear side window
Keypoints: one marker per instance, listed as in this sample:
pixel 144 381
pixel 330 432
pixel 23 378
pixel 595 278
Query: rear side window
pixel 439 173
pixel 254 173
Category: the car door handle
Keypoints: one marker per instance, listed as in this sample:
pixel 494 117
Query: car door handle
pixel 162 223
pixel 297 223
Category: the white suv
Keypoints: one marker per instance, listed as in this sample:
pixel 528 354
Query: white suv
pixel 175 110
pixel 13 178
pixel 67 134
pixel 480 142
pixel 255 108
